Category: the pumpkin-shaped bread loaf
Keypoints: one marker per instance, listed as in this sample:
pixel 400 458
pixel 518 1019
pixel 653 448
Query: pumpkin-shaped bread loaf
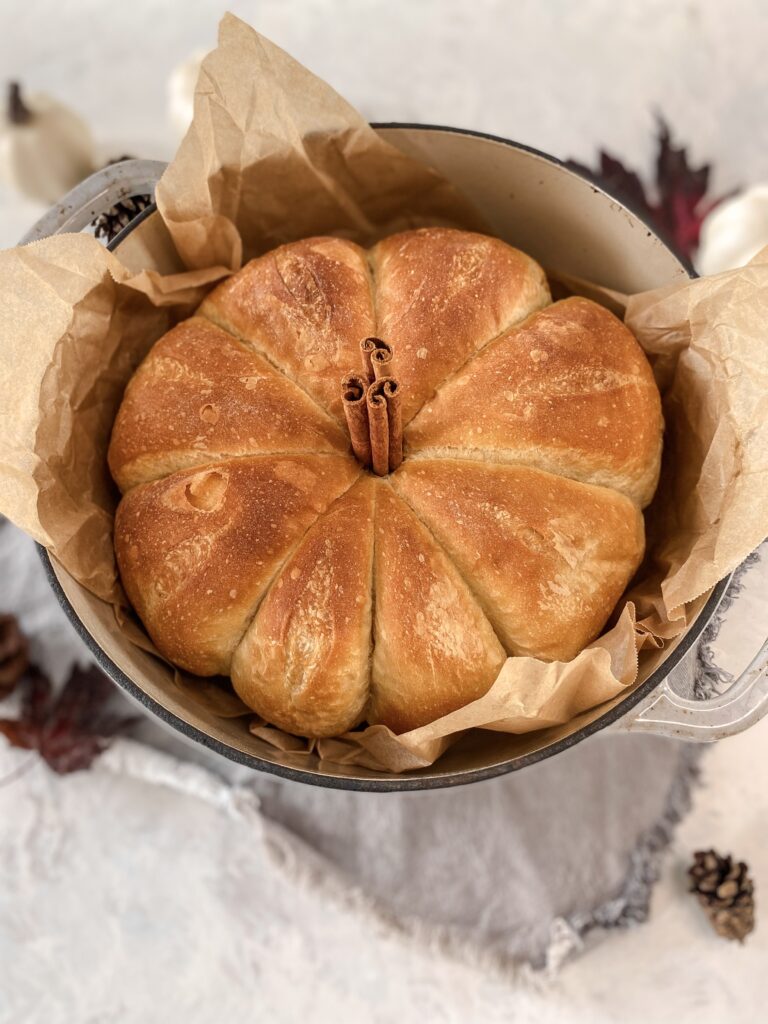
pixel 253 543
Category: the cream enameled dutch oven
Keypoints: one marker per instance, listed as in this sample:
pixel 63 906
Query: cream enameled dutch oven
pixel 561 219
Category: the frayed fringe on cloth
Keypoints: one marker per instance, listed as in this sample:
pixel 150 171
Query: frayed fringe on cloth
pixel 711 680
pixel 568 936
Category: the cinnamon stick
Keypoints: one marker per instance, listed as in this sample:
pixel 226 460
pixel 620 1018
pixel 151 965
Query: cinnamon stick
pixel 353 397
pixel 379 427
pixel 372 408
pixel 377 358
pixel 392 393
pixel 386 425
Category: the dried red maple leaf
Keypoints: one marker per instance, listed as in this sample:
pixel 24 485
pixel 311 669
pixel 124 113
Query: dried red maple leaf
pixel 680 204
pixel 69 730
pixel 14 654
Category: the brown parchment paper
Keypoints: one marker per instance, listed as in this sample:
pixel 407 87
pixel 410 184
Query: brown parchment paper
pixel 274 154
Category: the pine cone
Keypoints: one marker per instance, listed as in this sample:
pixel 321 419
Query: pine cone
pixel 108 225
pixel 726 893
pixel 13 654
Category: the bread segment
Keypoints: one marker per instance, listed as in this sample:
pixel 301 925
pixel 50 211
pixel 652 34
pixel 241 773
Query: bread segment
pixel 197 549
pixel 200 395
pixel 434 649
pixel 547 557
pixel 306 306
pixel 443 294
pixel 569 391
pixel 304 662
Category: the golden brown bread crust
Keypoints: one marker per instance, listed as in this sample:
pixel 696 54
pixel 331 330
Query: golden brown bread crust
pixel 327 595
pixel 201 395
pixel 569 391
pixel 303 663
pixel 434 650
pixel 443 294
pixel 197 549
pixel 547 557
pixel 305 306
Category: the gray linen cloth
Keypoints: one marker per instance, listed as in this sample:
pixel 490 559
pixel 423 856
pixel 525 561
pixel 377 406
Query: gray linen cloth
pixel 512 866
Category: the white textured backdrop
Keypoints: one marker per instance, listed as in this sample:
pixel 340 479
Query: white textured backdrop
pixel 554 74
pixel 216 931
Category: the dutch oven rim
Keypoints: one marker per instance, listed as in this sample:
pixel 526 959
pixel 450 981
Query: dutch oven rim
pixel 406 781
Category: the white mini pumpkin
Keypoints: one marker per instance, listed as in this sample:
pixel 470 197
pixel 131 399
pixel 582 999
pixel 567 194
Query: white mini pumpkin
pixel 734 232
pixel 45 148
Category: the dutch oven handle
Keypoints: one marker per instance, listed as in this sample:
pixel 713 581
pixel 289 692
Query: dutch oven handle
pixel 96 195
pixel 665 713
